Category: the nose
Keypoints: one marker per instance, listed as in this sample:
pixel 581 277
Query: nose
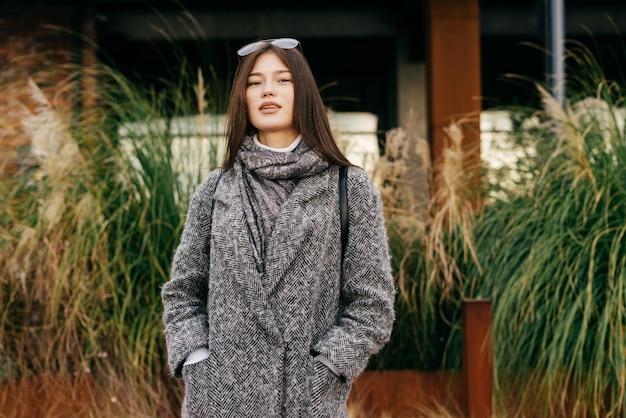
pixel 268 90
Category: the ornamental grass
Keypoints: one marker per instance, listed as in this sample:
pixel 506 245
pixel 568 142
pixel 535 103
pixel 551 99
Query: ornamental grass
pixel 89 220
pixel 549 251
pixel 90 217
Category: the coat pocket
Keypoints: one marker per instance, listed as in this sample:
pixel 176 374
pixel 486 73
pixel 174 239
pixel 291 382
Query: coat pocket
pixel 326 390
pixel 196 378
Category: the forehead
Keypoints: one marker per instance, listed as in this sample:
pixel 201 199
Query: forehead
pixel 268 62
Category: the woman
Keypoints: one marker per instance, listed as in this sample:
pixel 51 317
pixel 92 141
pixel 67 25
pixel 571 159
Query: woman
pixel 264 316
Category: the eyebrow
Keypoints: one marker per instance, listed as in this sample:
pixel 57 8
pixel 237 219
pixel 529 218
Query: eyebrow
pixel 275 72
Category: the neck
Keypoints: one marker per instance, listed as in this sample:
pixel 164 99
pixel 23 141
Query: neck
pixel 277 139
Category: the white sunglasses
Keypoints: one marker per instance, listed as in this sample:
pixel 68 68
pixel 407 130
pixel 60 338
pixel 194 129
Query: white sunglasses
pixel 284 43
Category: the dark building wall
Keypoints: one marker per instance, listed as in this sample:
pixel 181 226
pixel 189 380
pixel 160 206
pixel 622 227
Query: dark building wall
pixel 351 48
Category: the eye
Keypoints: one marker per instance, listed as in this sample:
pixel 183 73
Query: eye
pixel 284 80
pixel 253 83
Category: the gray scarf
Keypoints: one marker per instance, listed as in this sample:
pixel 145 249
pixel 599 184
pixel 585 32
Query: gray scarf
pixel 266 178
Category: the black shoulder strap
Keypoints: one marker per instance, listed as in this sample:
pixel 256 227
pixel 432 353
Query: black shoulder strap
pixel 343 207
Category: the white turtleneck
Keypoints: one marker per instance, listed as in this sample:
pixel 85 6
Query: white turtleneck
pixel 290 148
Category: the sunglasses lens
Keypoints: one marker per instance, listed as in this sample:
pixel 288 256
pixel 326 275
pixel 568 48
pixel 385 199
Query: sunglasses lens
pixel 284 43
pixel 248 49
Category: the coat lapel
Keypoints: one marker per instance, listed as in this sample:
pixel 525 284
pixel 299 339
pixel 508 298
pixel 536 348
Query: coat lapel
pixel 236 253
pixel 293 228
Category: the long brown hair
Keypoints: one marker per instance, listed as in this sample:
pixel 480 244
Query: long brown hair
pixel 309 113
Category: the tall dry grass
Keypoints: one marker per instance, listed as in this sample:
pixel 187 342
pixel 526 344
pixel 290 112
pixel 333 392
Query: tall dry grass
pixel 548 251
pixel 549 254
pixel 87 232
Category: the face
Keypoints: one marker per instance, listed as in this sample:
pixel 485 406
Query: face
pixel 269 100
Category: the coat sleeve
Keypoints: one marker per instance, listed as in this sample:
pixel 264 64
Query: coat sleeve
pixel 365 322
pixel 185 294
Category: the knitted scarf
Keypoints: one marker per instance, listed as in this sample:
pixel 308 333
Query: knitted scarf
pixel 266 178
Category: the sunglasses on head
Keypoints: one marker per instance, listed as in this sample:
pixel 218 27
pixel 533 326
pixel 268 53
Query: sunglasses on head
pixel 284 43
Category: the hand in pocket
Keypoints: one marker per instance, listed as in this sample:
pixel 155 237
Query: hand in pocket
pixel 196 377
pixel 323 385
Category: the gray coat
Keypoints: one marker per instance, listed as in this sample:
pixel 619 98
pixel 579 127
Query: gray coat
pixel 261 328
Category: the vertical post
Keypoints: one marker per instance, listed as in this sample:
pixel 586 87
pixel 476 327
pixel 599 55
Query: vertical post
pixel 477 357
pixel 453 73
pixel 557 18
pixel 553 27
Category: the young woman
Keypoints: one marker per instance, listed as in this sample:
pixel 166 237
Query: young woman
pixel 264 315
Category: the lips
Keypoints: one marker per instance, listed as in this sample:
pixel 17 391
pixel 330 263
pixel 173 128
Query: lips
pixel 269 106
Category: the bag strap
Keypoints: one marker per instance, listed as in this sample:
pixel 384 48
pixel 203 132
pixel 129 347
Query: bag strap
pixel 343 207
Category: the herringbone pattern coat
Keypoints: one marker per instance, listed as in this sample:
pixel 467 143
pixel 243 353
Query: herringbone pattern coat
pixel 260 328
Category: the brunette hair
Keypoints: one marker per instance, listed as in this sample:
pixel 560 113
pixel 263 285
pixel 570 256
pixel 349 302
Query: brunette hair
pixel 309 113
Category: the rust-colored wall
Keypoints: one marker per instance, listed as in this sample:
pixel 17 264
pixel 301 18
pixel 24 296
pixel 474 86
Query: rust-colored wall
pixel 36 42
pixel 406 393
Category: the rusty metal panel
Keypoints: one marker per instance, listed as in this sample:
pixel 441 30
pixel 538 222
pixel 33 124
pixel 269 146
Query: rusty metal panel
pixel 453 62
pixel 477 357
